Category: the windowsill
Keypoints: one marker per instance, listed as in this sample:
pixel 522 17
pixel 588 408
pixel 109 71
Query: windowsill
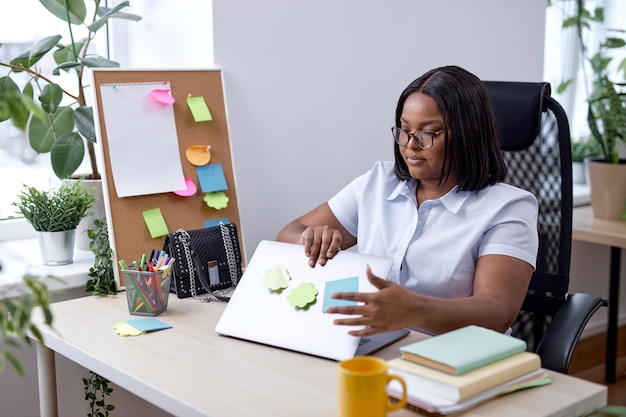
pixel 21 257
pixel 581 195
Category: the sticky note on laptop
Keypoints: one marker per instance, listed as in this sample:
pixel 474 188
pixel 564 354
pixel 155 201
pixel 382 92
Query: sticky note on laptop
pixel 339 285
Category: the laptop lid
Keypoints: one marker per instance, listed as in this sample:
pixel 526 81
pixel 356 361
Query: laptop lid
pixel 294 317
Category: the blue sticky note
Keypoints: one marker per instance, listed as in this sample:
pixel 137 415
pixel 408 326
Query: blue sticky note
pixel 340 285
pixel 211 178
pixel 148 324
pixel 215 222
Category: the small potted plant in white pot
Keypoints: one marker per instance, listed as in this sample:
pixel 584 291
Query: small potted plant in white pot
pixel 583 148
pixel 55 214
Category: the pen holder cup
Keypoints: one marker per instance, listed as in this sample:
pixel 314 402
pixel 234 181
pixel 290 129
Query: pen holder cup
pixel 146 292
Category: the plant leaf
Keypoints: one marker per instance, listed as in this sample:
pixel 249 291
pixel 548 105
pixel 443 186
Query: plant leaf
pixel 51 97
pixel 41 134
pixel 105 14
pixel 65 53
pixel 8 91
pixel 83 119
pixel 32 56
pixel 75 8
pixel 96 61
pixel 67 154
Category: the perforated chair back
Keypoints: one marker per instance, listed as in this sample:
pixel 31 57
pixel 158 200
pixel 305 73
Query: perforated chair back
pixel 535 139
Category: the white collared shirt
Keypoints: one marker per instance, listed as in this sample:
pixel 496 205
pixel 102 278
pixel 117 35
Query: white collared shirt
pixel 435 247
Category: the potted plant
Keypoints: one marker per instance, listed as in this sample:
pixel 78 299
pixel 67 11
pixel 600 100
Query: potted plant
pixel 583 148
pixel 606 113
pixel 57 119
pixel 55 214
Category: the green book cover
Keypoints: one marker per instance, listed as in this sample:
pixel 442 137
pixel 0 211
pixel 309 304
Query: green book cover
pixel 463 350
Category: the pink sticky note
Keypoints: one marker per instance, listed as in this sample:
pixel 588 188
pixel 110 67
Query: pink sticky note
pixel 162 96
pixel 189 191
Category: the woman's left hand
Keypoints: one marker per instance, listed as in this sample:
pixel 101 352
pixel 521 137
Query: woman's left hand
pixel 381 311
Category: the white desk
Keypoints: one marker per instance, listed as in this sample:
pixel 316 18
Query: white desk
pixel 612 233
pixel 189 370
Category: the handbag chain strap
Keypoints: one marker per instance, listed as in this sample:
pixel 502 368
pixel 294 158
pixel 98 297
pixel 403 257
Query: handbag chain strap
pixel 184 239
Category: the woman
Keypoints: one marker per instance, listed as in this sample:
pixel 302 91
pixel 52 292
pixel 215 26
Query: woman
pixel 464 244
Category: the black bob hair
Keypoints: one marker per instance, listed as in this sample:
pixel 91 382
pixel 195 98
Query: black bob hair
pixel 470 125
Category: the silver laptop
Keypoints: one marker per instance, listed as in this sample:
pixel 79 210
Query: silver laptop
pixel 294 317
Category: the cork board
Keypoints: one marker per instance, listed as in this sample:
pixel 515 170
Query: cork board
pixel 128 231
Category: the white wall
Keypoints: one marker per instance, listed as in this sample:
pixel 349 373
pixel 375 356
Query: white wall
pixel 311 86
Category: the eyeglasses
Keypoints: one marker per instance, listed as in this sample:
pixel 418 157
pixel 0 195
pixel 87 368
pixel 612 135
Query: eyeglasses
pixel 423 140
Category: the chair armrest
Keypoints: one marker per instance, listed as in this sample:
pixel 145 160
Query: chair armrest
pixel 558 342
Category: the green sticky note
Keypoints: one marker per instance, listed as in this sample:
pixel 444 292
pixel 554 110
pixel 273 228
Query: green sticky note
pixel 217 200
pixel 276 279
pixel 303 295
pixel 199 109
pixel 155 222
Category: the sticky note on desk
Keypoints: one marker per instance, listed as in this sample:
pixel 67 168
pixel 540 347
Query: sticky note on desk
pixel 339 285
pixel 148 324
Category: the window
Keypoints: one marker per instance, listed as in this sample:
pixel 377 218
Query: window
pixel 170 35
pixel 561 59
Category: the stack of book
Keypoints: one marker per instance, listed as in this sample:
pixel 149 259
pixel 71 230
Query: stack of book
pixel 459 369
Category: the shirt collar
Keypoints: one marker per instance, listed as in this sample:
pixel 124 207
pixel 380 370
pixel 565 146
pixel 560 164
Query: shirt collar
pixel 452 201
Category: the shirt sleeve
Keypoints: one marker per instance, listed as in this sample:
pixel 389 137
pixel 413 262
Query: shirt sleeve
pixel 514 230
pixel 344 204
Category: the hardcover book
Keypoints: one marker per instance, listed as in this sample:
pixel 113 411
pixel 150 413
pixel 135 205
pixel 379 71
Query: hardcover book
pixel 462 350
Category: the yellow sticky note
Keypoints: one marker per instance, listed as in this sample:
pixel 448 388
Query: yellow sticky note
pixel 155 222
pixel 199 109
pixel 125 329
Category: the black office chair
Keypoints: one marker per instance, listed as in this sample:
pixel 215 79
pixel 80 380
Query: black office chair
pixel 535 139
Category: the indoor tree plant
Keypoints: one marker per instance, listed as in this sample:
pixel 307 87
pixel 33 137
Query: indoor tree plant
pixel 38 108
pixel 58 119
pixel 55 214
pixel 606 111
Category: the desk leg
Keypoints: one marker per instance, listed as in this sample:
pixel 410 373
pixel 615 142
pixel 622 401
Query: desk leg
pixel 46 371
pixel 611 336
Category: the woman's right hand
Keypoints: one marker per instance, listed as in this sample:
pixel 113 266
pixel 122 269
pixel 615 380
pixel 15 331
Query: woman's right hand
pixel 319 232
pixel 320 243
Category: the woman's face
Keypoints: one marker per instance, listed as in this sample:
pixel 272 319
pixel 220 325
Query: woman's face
pixel 420 112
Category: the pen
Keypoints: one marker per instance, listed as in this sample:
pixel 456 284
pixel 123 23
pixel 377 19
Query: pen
pixel 143 261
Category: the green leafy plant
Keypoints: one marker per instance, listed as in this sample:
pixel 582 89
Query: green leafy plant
pixel 606 114
pixel 15 321
pixel 96 391
pixel 584 148
pixel 57 209
pixel 102 274
pixel 52 126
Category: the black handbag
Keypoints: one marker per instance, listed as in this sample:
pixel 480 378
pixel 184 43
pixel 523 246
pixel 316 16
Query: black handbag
pixel 205 261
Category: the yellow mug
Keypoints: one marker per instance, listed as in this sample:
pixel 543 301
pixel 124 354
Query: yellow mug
pixel 362 388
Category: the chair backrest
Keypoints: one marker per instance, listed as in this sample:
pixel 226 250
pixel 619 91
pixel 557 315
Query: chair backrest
pixel 535 139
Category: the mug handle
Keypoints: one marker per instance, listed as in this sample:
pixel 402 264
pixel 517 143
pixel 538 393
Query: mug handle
pixel 402 402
